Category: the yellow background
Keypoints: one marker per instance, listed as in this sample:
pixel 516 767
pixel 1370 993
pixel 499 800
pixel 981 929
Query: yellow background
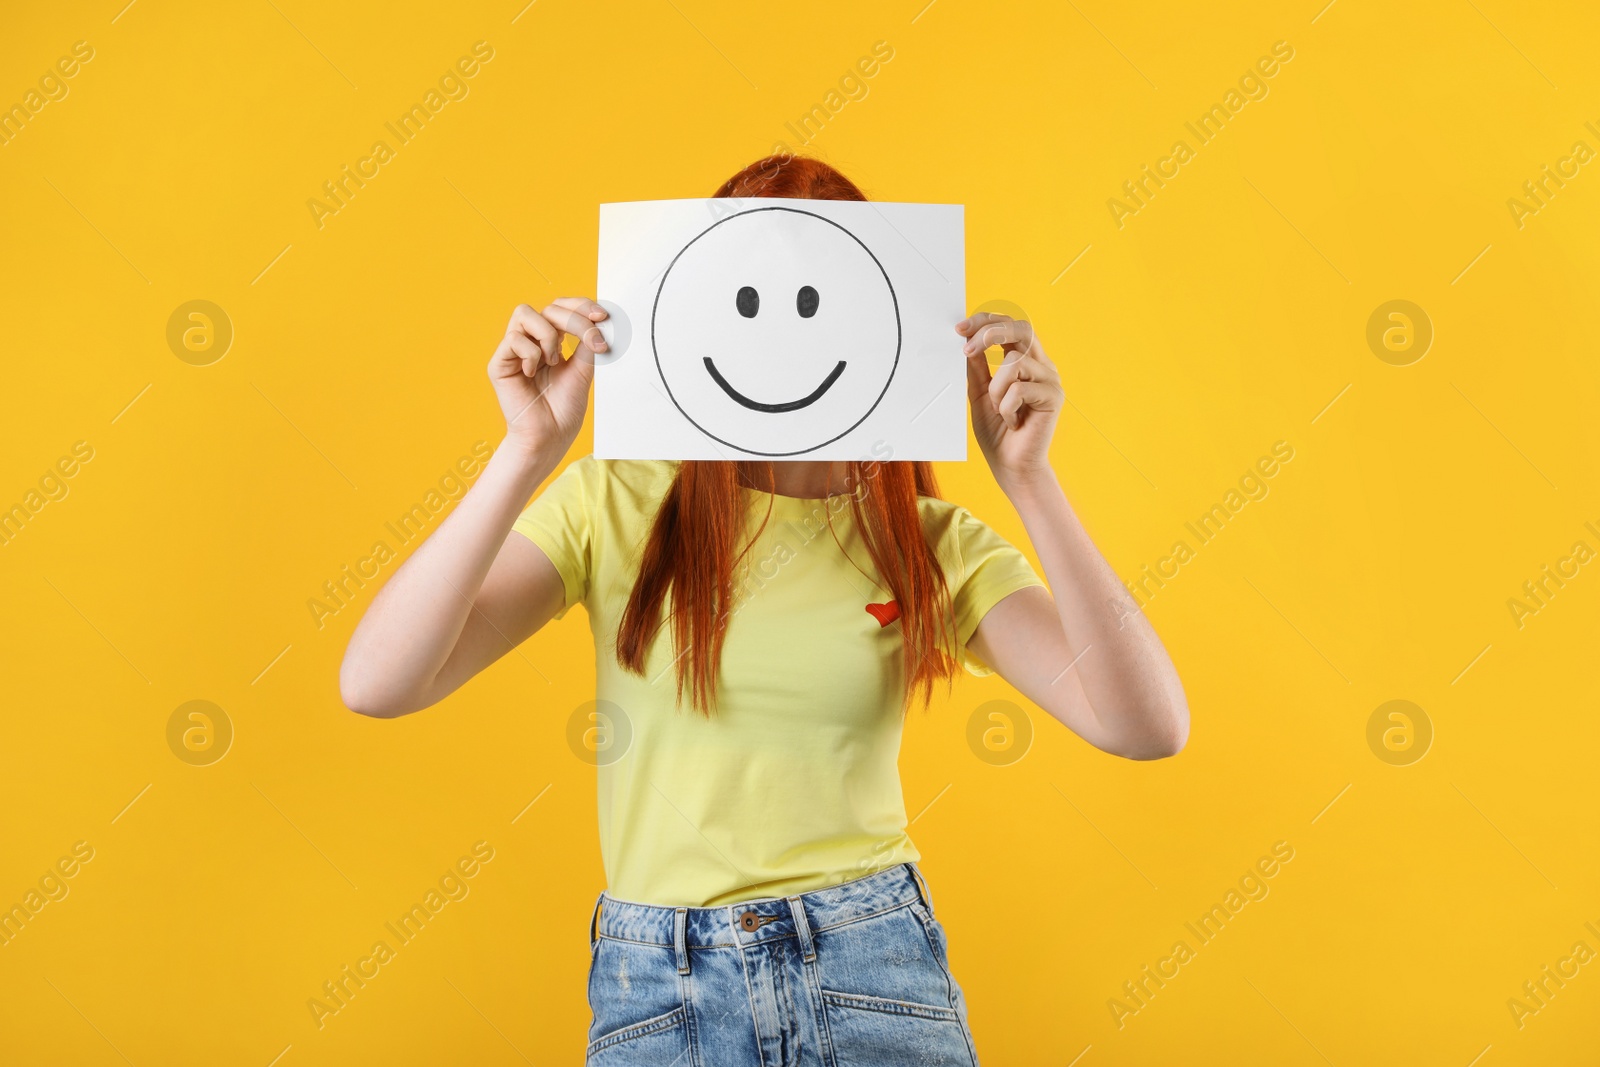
pixel 1223 317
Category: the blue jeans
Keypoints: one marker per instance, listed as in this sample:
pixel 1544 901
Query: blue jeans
pixel 847 976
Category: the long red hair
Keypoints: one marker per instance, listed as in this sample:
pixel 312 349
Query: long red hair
pixel 694 545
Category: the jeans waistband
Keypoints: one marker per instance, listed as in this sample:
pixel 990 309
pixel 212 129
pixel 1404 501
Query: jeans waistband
pixel 732 925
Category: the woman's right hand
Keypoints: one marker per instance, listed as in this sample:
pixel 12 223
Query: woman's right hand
pixel 543 395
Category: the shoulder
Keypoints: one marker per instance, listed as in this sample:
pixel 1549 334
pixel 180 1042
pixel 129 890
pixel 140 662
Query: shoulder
pixel 951 529
pixel 936 510
pixel 946 520
pixel 963 542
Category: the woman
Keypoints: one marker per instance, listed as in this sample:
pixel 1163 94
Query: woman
pixel 760 630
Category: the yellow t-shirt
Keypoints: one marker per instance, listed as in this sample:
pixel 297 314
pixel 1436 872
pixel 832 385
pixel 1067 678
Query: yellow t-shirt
pixel 792 784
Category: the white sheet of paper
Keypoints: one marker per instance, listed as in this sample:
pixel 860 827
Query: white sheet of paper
pixel 781 329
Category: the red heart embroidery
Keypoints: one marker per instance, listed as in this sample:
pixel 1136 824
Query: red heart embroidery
pixel 884 613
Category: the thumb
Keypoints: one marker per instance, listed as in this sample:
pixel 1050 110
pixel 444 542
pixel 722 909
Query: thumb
pixel 978 376
pixel 581 363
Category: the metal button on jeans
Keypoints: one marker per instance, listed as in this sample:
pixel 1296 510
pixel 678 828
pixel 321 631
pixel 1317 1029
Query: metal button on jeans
pixel 750 922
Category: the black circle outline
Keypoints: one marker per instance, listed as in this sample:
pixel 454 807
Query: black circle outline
pixel 899 333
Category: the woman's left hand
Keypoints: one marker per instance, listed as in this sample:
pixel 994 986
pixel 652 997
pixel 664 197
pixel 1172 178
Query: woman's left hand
pixel 1014 409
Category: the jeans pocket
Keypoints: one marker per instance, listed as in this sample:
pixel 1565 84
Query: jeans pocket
pixel 662 1040
pixel 881 1032
pixel 636 998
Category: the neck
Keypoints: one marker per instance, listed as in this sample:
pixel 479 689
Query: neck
pixel 808 479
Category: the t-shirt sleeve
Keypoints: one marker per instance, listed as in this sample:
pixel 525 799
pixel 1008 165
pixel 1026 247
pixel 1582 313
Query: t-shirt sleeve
pixel 989 569
pixel 560 520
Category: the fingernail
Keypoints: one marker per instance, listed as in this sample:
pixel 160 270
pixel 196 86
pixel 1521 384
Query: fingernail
pixel 600 346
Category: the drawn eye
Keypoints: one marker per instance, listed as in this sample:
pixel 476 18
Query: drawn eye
pixel 806 301
pixel 749 302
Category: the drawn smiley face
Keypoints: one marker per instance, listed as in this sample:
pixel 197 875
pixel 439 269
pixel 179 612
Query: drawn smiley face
pixel 776 331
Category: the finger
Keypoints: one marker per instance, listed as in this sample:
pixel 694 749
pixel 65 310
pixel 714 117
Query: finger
pixel 522 317
pixel 977 376
pixel 526 349
pixel 581 364
pixel 529 322
pixel 972 322
pixel 1014 334
pixel 1010 405
pixel 548 337
pixel 1041 368
pixel 1021 368
pixel 577 324
pixel 583 306
pixel 1011 370
pixel 1027 396
pixel 506 361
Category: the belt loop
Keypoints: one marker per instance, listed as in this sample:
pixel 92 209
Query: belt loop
pixel 808 949
pixel 922 887
pixel 594 920
pixel 680 938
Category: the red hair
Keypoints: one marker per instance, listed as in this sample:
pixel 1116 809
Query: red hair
pixel 693 547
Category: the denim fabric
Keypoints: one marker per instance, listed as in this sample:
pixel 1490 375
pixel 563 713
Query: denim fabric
pixel 848 976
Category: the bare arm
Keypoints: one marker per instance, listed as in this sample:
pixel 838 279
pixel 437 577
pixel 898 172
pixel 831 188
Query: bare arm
pixel 465 598
pixel 471 592
pixel 1081 654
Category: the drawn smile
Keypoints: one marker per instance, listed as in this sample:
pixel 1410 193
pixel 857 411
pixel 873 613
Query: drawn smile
pixel 788 405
